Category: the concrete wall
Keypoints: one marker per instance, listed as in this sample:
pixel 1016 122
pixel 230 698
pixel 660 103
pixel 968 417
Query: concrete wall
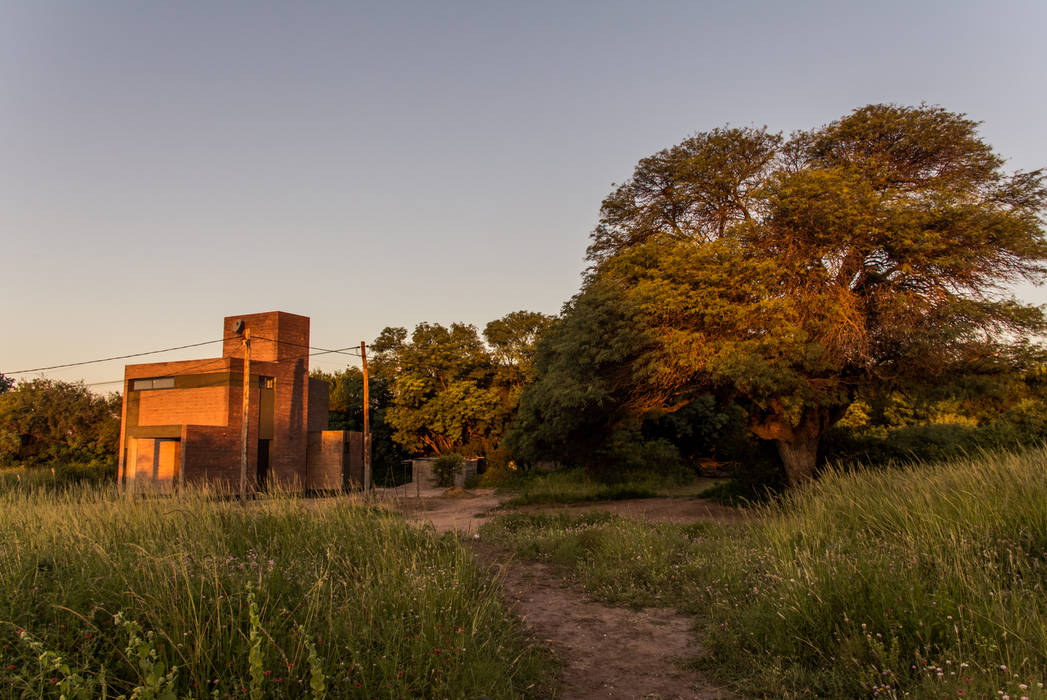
pixel 422 472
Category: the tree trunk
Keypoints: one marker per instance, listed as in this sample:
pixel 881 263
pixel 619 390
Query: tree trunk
pixel 797 444
pixel 800 456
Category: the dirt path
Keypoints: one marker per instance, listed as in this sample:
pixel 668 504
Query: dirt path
pixel 464 512
pixel 607 651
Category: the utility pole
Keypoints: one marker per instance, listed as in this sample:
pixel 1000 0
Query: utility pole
pixel 246 412
pixel 367 420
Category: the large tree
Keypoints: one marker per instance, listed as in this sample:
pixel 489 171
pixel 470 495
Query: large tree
pixel 452 391
pixel 788 274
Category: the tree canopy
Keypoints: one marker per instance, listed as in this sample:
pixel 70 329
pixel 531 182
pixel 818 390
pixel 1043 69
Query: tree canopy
pixel 46 421
pixel 787 274
pixel 452 391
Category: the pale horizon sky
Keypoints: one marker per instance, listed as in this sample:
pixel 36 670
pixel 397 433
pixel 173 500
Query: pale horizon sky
pixel 372 164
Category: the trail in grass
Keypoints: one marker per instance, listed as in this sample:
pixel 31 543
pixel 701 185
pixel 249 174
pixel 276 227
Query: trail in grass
pixel 606 651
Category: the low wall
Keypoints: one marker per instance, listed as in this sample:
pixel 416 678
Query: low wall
pixel 422 472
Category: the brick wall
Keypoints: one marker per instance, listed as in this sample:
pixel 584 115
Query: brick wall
pixel 204 409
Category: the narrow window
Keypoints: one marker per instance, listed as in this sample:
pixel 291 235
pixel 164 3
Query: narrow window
pixel 157 383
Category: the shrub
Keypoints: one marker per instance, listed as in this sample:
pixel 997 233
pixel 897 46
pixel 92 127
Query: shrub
pixel 446 468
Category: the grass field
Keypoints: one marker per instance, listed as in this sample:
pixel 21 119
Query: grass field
pixel 58 477
pixel 574 486
pixel 925 582
pixel 192 596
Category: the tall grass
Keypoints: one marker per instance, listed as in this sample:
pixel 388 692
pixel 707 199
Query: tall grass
pixel 279 598
pixel 928 581
pixel 575 486
pixel 57 477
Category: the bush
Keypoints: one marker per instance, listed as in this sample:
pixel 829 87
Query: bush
pixel 933 442
pixel 45 421
pixel 446 468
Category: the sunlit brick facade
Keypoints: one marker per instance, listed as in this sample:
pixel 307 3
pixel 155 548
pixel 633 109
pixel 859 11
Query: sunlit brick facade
pixel 182 421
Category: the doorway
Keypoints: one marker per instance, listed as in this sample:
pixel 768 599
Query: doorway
pixel 263 464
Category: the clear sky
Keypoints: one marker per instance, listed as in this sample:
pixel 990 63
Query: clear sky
pixel 372 164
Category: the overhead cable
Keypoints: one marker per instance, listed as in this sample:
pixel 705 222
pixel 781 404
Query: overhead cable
pixel 117 357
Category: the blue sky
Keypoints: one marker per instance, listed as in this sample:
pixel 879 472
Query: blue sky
pixel 163 165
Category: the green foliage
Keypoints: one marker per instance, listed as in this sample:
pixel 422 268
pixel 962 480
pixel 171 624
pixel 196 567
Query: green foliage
pixel 255 660
pixel 45 421
pixel 512 340
pixel 451 390
pixel 347 413
pixel 156 682
pixel 446 468
pixel 317 677
pixel 581 409
pixel 575 486
pixel 280 599
pixel 69 682
pixel 789 274
pixel 925 581
pixel 1002 410
pixel 576 402
pixel 6 383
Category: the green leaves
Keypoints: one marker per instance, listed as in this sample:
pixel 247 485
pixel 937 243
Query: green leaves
pixel 46 421
pixel 790 274
pixel 451 390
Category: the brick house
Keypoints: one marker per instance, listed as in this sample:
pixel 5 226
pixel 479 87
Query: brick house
pixel 181 421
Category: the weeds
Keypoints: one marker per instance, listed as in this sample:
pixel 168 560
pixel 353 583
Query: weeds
pixel 574 486
pixel 288 598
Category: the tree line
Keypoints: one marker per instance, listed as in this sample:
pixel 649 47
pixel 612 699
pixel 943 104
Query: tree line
pixel 754 298
pixel 748 290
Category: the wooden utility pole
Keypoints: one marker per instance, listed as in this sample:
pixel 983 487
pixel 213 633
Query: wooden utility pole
pixel 367 420
pixel 246 412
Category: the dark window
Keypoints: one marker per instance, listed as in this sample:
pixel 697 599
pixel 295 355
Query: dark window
pixel 156 383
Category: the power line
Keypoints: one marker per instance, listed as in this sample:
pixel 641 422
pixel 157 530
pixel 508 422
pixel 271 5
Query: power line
pixel 341 351
pixel 219 361
pixel 319 351
pixel 118 357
